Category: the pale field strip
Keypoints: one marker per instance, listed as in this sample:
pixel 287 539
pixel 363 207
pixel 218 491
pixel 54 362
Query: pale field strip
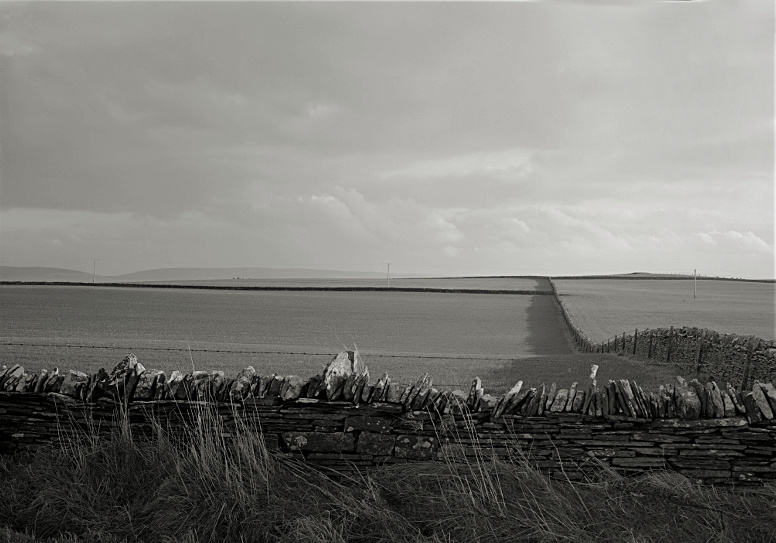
pixel 464 283
pixel 603 308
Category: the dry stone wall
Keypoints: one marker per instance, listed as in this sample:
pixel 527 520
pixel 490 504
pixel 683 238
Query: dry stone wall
pixel 344 421
pixel 731 358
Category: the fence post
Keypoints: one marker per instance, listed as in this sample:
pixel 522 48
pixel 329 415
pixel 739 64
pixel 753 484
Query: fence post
pixel 670 344
pixel 635 337
pixel 649 351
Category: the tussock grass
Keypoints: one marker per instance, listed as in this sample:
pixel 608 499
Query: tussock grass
pixel 206 486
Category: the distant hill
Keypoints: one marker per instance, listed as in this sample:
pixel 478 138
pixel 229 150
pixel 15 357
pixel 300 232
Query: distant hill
pixel 28 273
pixel 20 273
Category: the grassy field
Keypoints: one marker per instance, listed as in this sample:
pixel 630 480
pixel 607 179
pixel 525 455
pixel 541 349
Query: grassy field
pixel 208 489
pixel 605 307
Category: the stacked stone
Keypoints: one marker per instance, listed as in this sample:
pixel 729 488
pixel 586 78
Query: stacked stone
pixel 340 420
pixel 346 379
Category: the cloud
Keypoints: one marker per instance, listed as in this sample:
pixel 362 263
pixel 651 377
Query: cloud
pixel 509 164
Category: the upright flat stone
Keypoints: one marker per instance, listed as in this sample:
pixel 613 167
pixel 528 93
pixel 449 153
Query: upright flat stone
pixel 762 401
pixel 336 373
pixel 74 383
pixel 688 405
pixel 559 403
pixel 770 393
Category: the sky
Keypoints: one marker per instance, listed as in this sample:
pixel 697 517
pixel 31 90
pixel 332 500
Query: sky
pixel 506 138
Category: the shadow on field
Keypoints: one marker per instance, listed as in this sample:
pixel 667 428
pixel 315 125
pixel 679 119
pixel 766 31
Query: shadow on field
pixel 556 358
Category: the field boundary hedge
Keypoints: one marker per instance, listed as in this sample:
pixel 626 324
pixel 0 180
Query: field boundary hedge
pixel 732 358
pixel 288 288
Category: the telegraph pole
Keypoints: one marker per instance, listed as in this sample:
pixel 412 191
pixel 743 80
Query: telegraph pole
pixel 388 275
pixel 694 282
pixel 94 269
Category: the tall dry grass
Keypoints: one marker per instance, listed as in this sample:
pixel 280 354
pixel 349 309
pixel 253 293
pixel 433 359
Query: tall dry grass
pixel 223 485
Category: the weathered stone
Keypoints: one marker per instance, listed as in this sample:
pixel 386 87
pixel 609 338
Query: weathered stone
pixel 375 444
pixel 97 385
pixel 358 388
pixel 559 403
pixel 380 388
pixel 688 405
pixel 12 377
pixel 13 373
pixel 54 381
pixel 380 425
pixel 729 408
pixel 536 402
pixel 505 399
pixel 515 401
pixel 173 384
pixel 639 462
pixel 27 382
pixel 762 402
pixel 548 401
pixel 737 401
pixel 241 386
pixel 347 387
pixel 274 386
pixel 486 403
pixel 414 447
pixel 320 441
pixel 74 383
pixel 124 377
pixel 716 399
pixel 394 392
pixel 770 393
pixel 146 384
pixel 701 393
pixel 572 396
pixel 579 400
pixel 475 393
pixel 292 388
pixel 336 373
pixel 42 378
pixel 753 413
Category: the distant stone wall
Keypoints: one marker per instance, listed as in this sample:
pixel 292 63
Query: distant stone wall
pixel 739 360
pixel 342 420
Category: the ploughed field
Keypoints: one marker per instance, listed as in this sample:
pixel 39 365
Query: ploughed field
pixel 286 332
pixel 602 308
pixel 501 338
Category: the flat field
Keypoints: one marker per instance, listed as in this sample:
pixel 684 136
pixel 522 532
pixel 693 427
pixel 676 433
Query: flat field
pixel 605 307
pixel 453 336
pixel 501 338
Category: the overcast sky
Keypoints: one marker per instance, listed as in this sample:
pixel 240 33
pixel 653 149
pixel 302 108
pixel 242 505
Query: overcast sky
pixel 451 139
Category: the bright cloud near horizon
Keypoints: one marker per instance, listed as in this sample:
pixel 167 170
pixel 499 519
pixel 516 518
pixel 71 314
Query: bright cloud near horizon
pixel 446 138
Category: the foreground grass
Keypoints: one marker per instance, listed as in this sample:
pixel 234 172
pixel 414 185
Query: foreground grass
pixel 204 488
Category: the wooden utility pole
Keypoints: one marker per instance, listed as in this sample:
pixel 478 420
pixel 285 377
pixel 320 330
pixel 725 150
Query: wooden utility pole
pixel 388 275
pixel 94 270
pixel 694 282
